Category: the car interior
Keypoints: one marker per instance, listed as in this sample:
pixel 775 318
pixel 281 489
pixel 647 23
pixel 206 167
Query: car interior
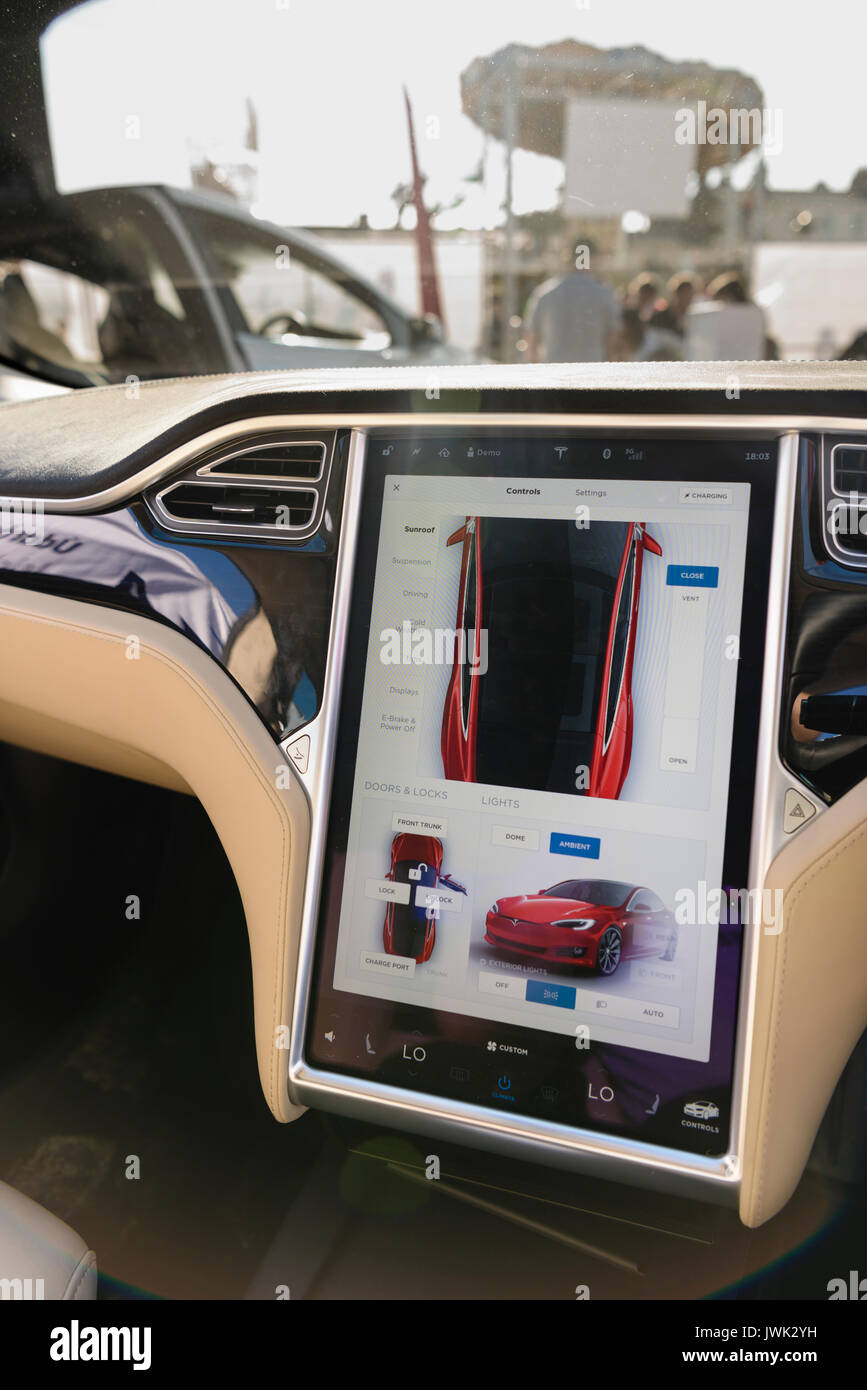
pixel 433 778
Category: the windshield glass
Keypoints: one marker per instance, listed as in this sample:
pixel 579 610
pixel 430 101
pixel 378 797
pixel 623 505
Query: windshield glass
pixel 599 891
pixel 205 185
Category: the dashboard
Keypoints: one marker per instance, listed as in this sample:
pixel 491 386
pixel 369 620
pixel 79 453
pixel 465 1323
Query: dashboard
pixel 532 666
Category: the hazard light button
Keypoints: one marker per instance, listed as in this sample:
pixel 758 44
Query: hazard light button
pixel 797 810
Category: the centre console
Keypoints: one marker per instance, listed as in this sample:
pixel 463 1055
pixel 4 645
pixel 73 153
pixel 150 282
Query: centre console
pixel 541 793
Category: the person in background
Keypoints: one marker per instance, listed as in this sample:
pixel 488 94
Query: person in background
pixel 682 289
pixel 728 288
pixel 574 317
pixel 643 294
pixel 727 326
pixel 642 342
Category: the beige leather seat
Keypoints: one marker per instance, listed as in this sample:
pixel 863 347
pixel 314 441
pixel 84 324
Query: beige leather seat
pixel 40 1256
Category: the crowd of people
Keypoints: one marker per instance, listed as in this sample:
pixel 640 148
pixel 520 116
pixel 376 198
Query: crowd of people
pixel 578 317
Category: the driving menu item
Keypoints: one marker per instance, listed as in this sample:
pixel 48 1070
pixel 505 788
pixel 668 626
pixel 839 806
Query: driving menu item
pixel 553 666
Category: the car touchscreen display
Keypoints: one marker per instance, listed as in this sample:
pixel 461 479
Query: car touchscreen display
pixel 543 788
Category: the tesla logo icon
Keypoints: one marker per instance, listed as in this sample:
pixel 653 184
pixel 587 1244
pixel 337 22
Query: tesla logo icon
pixel 417 1054
pixel 560 450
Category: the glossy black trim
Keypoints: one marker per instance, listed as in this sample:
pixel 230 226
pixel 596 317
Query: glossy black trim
pixel 826 639
pixel 263 611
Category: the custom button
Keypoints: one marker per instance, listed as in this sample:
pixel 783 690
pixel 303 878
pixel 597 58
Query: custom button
pixel 299 752
pixel 797 810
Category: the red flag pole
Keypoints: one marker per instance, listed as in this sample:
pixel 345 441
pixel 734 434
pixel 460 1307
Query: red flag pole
pixel 429 286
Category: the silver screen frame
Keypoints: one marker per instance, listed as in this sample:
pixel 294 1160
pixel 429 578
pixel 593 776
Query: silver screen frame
pixel 525 1137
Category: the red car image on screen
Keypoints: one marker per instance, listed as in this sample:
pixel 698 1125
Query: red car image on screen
pixel 543 695
pixel 593 924
pixel 410 927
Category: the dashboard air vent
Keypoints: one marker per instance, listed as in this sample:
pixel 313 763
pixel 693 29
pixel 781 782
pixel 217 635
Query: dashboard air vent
pixel 269 488
pixel 247 505
pixel 304 460
pixel 846 504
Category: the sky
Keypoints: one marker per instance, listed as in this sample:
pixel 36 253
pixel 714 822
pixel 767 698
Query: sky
pixel 135 85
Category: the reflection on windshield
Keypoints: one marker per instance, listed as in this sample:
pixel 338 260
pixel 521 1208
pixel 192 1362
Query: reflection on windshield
pixel 564 185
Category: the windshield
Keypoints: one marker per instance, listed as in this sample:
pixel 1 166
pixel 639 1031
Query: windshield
pixel 599 891
pixel 205 185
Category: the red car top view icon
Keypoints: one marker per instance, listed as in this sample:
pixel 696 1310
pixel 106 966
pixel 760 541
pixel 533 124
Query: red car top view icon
pixel 589 923
pixel 410 927
pixel 549 615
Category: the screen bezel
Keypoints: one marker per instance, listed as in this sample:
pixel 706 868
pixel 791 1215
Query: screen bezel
pixel 730 445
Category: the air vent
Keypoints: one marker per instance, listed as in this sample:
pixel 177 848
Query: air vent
pixel 265 489
pixel 849 469
pixel 845 518
pixel 304 460
pixel 240 505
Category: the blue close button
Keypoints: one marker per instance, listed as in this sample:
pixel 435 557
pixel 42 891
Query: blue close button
pixel 585 846
pixel 560 996
pixel 693 576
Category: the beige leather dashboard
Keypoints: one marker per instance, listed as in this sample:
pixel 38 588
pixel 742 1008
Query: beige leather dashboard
pixel 811 1000
pixel 130 695
pixel 134 696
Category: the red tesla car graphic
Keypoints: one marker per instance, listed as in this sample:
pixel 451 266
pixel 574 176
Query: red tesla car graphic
pixel 410 927
pixel 585 922
pixel 549 613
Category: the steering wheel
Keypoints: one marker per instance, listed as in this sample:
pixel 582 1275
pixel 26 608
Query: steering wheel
pixel 293 324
